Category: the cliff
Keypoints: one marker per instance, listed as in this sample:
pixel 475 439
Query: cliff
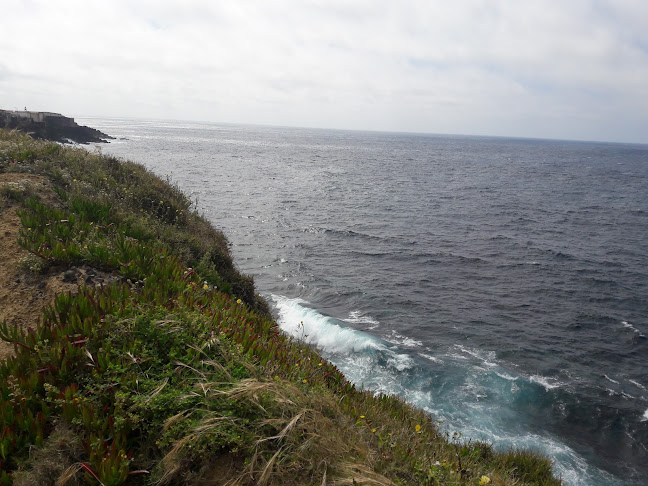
pixel 51 126
pixel 136 353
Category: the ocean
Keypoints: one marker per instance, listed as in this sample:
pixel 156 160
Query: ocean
pixel 500 284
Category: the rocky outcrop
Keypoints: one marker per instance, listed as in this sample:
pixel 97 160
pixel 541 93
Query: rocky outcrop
pixel 51 126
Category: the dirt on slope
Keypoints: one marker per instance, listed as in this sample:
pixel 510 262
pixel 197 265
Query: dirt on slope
pixel 24 292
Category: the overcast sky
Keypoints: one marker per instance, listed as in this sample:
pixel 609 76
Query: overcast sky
pixel 568 69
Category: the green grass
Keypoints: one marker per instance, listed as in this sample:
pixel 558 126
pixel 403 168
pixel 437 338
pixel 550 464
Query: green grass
pixel 177 374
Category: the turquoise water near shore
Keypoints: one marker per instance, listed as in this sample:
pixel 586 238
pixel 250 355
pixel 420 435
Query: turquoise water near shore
pixel 498 283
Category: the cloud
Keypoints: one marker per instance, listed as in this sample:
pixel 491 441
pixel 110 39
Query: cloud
pixel 534 68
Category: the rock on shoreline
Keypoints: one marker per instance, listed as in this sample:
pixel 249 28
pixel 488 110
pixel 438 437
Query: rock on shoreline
pixel 51 126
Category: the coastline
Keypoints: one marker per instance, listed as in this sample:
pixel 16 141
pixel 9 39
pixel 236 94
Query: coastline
pixel 145 266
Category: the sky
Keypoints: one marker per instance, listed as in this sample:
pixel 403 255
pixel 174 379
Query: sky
pixel 564 69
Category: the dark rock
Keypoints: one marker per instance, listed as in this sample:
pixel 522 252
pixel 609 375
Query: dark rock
pixel 42 284
pixel 70 276
pixel 51 126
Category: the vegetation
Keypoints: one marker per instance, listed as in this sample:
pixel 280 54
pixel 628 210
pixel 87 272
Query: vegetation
pixel 175 373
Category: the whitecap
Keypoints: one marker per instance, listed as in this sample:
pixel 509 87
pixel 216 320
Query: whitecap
pixel 636 383
pixel 310 326
pixel 401 340
pixel 546 382
pixel 645 416
pixel 506 376
pixel 627 325
pixel 431 358
pixel 477 353
pixel 610 379
pixel 357 317
pixel 401 362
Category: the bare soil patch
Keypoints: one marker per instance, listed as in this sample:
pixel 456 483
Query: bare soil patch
pixel 24 293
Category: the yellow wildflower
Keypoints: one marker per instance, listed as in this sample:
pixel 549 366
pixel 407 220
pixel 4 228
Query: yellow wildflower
pixel 373 431
pixel 484 480
pixel 304 380
pixel 319 364
pixel 205 287
pixel 238 301
pixel 362 416
pixel 418 428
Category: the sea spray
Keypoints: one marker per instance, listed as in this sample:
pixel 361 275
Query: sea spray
pixel 466 389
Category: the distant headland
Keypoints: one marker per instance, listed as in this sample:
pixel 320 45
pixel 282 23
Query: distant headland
pixel 50 126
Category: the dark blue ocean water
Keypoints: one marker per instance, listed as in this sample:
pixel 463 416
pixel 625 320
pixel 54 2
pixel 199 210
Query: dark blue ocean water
pixel 501 284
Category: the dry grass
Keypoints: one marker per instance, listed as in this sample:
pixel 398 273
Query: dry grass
pixel 56 463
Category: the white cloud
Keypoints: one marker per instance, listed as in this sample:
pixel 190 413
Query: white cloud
pixel 575 69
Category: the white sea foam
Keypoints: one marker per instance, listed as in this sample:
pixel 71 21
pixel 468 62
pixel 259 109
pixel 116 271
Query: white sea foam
pixel 547 383
pixel 506 376
pixel 358 355
pixel 637 384
pixel 486 357
pixel 610 379
pixel 310 326
pixel 401 362
pixel 645 416
pixel 627 325
pixel 357 317
pixel 431 358
pixel 401 340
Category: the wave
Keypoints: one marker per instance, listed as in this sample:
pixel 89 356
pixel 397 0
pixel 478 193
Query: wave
pixel 364 359
pixel 467 389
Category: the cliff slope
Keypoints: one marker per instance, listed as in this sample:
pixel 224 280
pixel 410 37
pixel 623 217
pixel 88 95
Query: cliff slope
pixel 136 353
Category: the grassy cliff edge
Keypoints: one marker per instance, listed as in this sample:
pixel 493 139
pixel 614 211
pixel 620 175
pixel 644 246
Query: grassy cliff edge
pixel 159 364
